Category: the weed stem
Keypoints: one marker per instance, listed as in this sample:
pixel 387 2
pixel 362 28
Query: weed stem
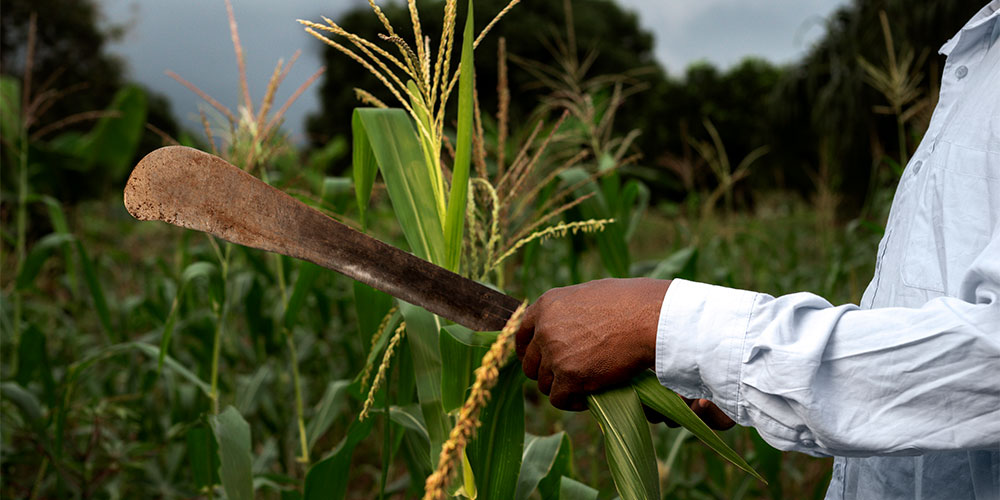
pixel 294 360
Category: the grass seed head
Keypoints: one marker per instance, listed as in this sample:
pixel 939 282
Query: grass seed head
pixel 468 416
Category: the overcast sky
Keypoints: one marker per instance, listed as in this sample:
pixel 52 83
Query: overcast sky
pixel 191 37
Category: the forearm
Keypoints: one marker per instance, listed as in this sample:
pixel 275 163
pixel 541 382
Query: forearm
pixel 837 380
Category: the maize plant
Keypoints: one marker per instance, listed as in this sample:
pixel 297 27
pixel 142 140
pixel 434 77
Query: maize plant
pixel 457 399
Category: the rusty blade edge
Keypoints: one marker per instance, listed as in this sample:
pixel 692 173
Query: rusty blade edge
pixel 195 190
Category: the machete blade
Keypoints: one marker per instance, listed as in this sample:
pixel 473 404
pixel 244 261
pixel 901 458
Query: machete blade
pixel 195 190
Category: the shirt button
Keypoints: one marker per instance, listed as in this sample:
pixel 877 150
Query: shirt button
pixel 916 167
pixel 961 72
pixel 808 443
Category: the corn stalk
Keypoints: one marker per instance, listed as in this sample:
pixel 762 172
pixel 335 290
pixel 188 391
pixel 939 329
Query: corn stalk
pixel 468 413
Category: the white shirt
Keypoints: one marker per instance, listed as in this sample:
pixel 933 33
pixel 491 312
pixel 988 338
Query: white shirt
pixel 904 389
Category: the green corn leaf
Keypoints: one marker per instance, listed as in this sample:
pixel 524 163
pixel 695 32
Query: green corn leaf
pixel 457 371
pixel 10 109
pixel 90 277
pixel 455 221
pixel 232 434
pixel 611 242
pixel 374 355
pixel 634 202
pixel 409 417
pixel 431 147
pixel 111 144
pixel 371 306
pixel 33 363
pixel 322 160
pixel 250 391
pixel 37 256
pixel 395 146
pixel 495 452
pixel 551 484
pixel 670 405
pixel 59 225
pixel 471 338
pixel 175 366
pixel 468 479
pixel 571 489
pixel 364 168
pixel 544 458
pixel 77 369
pixel 195 271
pixel 416 443
pixel 329 407
pixel 327 479
pixel 627 442
pixel 168 327
pixel 308 272
pixel 680 264
pixel 422 331
pixel 203 456
pixel 27 403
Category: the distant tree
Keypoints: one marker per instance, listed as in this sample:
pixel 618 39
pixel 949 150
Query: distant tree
pixel 70 50
pixel 529 28
pixel 735 100
pixel 824 99
pixel 816 110
pixel 70 56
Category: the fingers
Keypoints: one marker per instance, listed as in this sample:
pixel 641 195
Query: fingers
pixel 670 423
pixel 530 361
pixel 653 416
pixel 712 415
pixel 545 378
pixel 565 395
pixel 526 331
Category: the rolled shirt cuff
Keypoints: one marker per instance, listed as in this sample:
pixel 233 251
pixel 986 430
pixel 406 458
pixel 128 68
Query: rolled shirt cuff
pixel 700 340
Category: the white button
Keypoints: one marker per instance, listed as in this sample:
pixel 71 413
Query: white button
pixel 961 72
pixel 916 167
pixel 808 443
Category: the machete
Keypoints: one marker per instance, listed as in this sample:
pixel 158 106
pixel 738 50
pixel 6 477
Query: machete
pixel 196 190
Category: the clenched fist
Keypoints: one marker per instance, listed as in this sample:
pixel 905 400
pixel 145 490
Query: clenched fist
pixel 580 339
pixel 583 338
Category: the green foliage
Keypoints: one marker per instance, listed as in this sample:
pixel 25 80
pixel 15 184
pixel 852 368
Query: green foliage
pixel 397 152
pixel 602 26
pixel 328 478
pixel 112 144
pixel 232 433
pixel 546 459
pixel 456 375
pixel 627 442
pixel 670 405
pixel 121 339
pixel 495 453
pixel 455 218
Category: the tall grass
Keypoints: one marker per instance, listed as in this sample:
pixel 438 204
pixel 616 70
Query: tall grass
pixel 147 362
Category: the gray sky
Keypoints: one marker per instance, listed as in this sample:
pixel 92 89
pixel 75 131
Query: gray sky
pixel 191 37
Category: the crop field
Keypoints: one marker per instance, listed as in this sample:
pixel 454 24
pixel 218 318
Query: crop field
pixel 142 360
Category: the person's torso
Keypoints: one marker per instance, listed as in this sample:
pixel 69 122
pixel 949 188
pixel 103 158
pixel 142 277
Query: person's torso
pixel 945 211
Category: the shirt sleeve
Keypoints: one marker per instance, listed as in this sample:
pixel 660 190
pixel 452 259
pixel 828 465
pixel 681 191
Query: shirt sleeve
pixel 838 380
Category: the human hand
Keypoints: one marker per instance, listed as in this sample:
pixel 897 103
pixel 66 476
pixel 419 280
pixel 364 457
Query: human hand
pixel 705 409
pixel 583 338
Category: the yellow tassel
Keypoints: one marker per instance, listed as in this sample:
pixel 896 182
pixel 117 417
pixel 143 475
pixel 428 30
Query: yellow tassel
pixel 382 369
pixel 468 416
pixel 375 338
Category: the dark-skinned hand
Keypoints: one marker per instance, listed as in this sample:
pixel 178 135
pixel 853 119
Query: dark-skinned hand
pixel 584 338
